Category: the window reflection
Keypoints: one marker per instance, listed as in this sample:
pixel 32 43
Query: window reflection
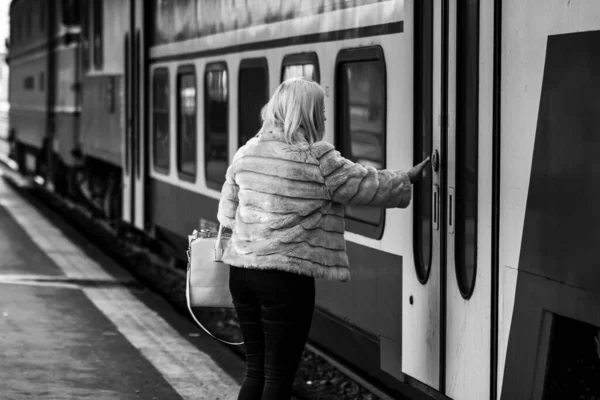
pixel 253 95
pixel 160 112
pixel 423 123
pixel 294 71
pixel 363 140
pixel 216 124
pixel 467 145
pixel 186 160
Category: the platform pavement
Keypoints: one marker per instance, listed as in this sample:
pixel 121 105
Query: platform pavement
pixel 71 330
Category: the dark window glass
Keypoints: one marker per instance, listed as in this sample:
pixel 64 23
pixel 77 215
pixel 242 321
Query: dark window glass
pixel 253 95
pixel 216 128
pixel 29 83
pixel 97 36
pixel 160 119
pixel 467 144
pixel 43 15
pixel 29 26
pixel 42 83
pixel 85 34
pixel 422 191
pixel 186 122
pixel 362 135
pixel 71 12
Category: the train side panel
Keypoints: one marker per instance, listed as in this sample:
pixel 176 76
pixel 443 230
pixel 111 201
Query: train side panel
pixel 28 87
pixel 67 107
pixel 549 193
pixel 102 126
pixel 28 60
pixel 102 111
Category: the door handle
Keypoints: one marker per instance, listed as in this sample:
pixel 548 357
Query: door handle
pixel 435 161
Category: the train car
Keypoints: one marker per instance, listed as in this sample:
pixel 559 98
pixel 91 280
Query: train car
pixel 458 296
pixel 487 286
pixel 44 92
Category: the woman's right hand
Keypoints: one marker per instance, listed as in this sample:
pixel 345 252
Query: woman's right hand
pixel 416 173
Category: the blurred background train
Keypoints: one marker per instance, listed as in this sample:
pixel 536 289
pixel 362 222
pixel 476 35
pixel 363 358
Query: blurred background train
pixel 486 287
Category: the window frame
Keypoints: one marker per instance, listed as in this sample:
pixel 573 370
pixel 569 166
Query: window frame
pixel 214 66
pixel 159 168
pixel 187 69
pixel 351 55
pixel 301 59
pixel 247 63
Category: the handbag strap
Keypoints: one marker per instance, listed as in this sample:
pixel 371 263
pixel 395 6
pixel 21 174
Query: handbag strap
pixel 219 244
pixel 189 305
pixel 218 256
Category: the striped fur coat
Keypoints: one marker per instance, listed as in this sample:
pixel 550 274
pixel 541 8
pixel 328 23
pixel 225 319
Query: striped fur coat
pixel 285 205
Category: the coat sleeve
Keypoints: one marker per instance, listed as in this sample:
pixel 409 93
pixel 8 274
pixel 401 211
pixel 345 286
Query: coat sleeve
pixel 351 183
pixel 229 200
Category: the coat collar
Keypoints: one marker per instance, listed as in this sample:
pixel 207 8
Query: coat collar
pixel 267 135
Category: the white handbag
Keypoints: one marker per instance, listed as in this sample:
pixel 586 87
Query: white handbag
pixel 207 276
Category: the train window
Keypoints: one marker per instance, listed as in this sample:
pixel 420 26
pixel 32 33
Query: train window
pixel 160 120
pixel 253 95
pixel 360 124
pixel 28 23
pixel 423 117
pixel 97 44
pixel 216 124
pixel 70 12
pixel 186 122
pixel 19 27
pixel 42 16
pixel 301 64
pixel 467 145
pixel 29 83
pixel 85 34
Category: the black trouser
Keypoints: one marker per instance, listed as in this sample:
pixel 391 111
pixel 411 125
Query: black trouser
pixel 275 311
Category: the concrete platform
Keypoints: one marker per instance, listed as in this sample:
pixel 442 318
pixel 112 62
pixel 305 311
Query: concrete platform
pixel 75 326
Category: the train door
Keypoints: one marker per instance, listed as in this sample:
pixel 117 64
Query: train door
pixel 134 170
pixel 447 339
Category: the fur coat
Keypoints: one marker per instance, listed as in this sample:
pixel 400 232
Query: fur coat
pixel 285 205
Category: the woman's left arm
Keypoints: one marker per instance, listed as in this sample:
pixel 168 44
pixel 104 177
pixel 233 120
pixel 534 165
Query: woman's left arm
pixel 229 200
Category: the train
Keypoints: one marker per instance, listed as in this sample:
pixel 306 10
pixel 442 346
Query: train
pixel 486 287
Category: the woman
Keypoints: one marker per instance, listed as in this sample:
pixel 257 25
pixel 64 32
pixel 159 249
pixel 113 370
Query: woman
pixel 284 200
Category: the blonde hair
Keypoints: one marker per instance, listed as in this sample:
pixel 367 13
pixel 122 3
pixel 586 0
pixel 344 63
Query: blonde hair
pixel 296 110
